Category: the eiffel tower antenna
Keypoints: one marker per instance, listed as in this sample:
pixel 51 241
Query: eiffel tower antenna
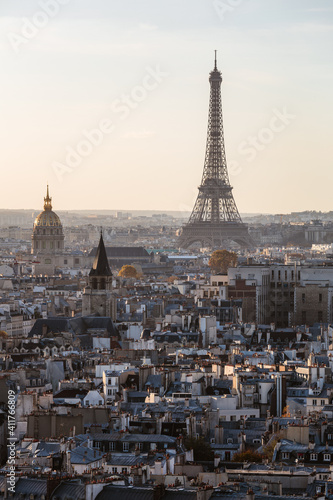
pixel 215 219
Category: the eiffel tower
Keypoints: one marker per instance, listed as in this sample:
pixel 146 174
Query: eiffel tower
pixel 215 220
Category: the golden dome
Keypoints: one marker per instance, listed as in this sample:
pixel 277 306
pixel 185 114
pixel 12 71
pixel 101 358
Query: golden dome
pixel 47 218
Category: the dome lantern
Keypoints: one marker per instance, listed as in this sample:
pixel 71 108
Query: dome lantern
pixel 47 200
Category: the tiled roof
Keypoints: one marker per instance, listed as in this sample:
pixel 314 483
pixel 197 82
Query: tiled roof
pixel 121 252
pixel 27 486
pixel 148 438
pixel 72 490
pixel 83 455
pixel 45 449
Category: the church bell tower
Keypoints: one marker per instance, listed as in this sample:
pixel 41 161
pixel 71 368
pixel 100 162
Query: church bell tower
pixel 98 299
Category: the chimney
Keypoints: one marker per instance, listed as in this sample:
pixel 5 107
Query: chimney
pixel 250 494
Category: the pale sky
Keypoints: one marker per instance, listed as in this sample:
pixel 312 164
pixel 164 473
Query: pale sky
pixel 66 65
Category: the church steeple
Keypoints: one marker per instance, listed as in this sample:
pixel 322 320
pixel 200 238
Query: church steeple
pixel 100 267
pixel 98 298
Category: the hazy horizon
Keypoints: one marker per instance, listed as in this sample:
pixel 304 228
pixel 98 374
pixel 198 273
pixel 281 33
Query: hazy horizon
pixel 139 71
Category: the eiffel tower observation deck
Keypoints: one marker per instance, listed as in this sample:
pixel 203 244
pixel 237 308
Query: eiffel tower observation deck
pixel 215 220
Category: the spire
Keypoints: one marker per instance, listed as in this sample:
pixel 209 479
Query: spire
pixel 215 67
pixel 47 200
pixel 100 266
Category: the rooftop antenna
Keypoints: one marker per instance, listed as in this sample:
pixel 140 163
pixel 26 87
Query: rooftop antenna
pixel 215 68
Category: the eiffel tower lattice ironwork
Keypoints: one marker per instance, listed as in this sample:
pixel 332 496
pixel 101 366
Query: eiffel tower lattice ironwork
pixel 215 220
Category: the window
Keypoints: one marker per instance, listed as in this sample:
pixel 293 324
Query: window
pixel 109 381
pixel 124 470
pixel 140 446
pixel 322 402
pixel 314 402
pixel 285 455
pixel 114 470
pixel 109 392
pixel 76 261
pixel 44 244
pixel 97 444
pixel 303 298
pixel 330 437
pixel 65 261
pixel 303 317
pixel 313 456
pixel 292 275
pixel 125 446
pixel 327 457
pixel 299 275
pixel 279 275
pixel 320 315
pixel 112 446
pixel 47 261
pixel 286 275
pixel 320 297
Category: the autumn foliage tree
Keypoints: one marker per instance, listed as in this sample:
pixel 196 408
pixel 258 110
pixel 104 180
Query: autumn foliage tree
pixel 247 456
pixel 172 279
pixel 128 272
pixel 221 260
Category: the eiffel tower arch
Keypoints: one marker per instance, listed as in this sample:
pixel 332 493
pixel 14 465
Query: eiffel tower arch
pixel 215 218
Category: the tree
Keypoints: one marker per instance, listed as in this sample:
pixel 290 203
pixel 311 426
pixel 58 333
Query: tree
pixel 247 456
pixel 221 260
pixel 201 450
pixel 172 279
pixel 128 272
